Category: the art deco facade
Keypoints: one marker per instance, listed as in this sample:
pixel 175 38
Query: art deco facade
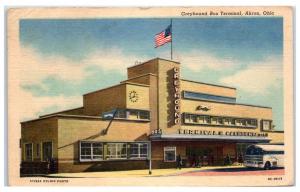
pixel 154 114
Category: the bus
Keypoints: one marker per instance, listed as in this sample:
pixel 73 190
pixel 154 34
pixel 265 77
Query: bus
pixel 265 156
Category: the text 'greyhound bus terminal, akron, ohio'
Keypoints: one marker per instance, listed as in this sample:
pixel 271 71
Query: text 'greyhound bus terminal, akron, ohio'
pixel 153 116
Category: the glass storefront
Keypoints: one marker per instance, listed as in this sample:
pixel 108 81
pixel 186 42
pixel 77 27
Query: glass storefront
pixel 98 151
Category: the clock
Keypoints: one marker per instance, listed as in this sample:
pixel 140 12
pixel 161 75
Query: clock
pixel 133 96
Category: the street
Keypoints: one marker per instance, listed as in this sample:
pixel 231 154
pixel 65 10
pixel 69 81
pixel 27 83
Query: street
pixel 203 171
pixel 233 171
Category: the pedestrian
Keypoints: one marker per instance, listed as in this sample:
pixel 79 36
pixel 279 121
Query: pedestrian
pixel 199 161
pixel 178 162
pixel 240 158
pixel 194 160
pixel 52 165
pixel 228 160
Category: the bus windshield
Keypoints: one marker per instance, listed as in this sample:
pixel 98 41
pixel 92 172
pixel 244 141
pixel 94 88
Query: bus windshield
pixel 254 151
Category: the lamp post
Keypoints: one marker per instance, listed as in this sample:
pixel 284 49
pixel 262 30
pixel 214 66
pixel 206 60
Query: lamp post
pixel 150 162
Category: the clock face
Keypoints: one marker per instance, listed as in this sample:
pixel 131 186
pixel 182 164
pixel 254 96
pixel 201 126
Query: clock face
pixel 133 96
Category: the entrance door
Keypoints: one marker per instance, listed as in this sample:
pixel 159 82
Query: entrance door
pixel 199 156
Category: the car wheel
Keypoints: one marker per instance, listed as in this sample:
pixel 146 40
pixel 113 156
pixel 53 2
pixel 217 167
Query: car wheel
pixel 267 165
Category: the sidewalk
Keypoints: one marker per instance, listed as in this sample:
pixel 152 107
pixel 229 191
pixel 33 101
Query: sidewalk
pixel 136 173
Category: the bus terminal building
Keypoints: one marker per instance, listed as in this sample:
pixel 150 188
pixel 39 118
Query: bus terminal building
pixel 154 115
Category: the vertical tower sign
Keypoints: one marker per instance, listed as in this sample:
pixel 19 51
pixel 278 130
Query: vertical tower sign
pixel 176 83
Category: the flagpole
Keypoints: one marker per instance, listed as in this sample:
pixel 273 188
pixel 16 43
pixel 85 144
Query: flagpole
pixel 171 40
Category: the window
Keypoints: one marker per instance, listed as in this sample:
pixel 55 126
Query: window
pixel 238 122
pixel 273 152
pixel 144 115
pixel 193 118
pixel 116 151
pixel 127 114
pixel 252 122
pixel 190 118
pixel 266 125
pixel 229 121
pixel 132 114
pixel 169 154
pixel 28 152
pixel 85 151
pixel 47 151
pixel 121 114
pixel 38 150
pixel 214 120
pixel 91 151
pixel 203 96
pixel 253 150
pixel 138 150
pixel 97 151
pixel 187 118
pixel 243 122
pixel 203 119
pixel 219 120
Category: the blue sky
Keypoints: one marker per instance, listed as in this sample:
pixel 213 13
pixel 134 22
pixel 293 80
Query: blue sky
pixel 232 51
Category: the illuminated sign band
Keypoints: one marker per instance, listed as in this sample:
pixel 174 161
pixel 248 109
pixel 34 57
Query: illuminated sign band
pixel 223 133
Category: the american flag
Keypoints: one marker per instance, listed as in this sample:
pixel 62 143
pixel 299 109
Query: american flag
pixel 163 37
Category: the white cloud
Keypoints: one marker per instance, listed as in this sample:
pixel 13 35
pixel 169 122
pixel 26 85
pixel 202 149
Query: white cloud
pixel 33 106
pixel 197 60
pixel 111 59
pixel 257 78
pixel 31 68
pixel 34 67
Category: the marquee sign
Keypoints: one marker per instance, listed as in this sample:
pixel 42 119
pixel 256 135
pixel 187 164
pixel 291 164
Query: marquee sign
pixel 222 133
pixel 213 133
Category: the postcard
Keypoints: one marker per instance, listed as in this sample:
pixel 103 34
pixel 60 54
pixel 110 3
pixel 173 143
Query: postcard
pixel 170 96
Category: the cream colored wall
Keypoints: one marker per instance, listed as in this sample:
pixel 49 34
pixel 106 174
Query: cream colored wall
pixel 71 130
pixel 231 110
pixel 142 92
pixel 224 109
pixel 39 131
pixel 208 89
pixel 65 133
pixel 276 137
pixel 166 94
pixel 116 97
pixel 153 101
pixel 151 80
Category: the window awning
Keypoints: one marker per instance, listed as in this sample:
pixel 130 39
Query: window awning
pixel 182 137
